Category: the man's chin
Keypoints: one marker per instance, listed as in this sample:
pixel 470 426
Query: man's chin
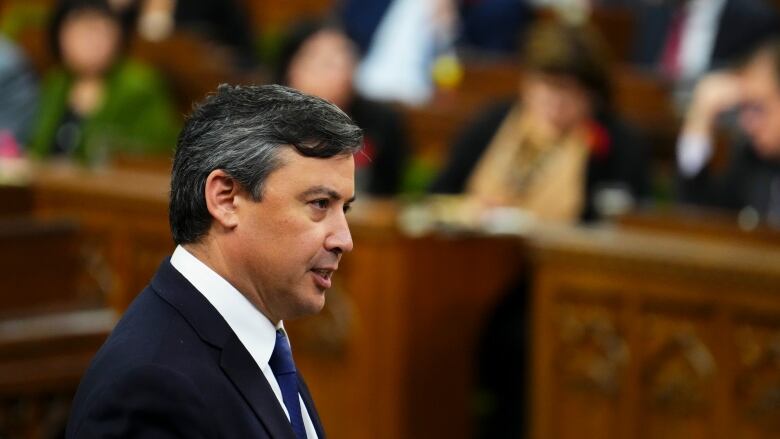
pixel 311 307
pixel 766 150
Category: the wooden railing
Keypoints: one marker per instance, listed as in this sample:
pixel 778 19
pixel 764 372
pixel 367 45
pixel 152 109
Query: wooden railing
pixel 644 333
pixel 654 336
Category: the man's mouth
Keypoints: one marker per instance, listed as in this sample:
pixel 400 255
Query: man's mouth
pixel 322 276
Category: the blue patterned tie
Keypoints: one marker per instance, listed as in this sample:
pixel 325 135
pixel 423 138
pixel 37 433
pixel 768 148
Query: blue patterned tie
pixel 282 365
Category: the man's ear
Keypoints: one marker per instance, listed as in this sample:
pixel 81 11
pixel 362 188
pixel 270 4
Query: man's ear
pixel 221 192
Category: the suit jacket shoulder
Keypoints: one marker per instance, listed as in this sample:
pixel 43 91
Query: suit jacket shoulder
pixel 173 368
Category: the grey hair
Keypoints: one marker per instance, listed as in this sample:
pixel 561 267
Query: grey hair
pixel 241 129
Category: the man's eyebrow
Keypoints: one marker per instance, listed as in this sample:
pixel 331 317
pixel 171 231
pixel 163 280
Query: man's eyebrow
pixel 324 190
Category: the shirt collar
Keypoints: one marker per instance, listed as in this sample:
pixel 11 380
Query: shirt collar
pixel 255 331
pixel 711 9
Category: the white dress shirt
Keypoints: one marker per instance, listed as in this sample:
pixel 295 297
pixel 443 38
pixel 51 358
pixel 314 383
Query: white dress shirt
pixel 693 153
pixel 255 331
pixel 698 36
pixel 397 65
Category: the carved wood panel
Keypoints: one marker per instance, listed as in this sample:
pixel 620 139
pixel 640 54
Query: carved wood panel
pixel 42 416
pixel 590 362
pixel 700 321
pixel 756 392
pixel 678 373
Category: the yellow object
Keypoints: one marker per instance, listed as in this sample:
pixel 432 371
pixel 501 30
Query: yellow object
pixel 447 71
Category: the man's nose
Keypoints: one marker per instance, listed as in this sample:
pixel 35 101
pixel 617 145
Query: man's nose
pixel 340 238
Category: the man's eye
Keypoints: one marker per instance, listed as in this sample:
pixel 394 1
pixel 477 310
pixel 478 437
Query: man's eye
pixel 347 208
pixel 321 203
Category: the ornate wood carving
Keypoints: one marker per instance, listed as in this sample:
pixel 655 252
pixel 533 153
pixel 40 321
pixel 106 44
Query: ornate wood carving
pixel 42 416
pixel 98 279
pixel 757 385
pixel 677 375
pixel 592 351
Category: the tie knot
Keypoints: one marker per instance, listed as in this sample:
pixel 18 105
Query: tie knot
pixel 281 361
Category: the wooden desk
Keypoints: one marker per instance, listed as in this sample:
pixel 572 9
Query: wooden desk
pixel 123 216
pixel 633 329
pixel 39 263
pixel 391 355
pixel 413 309
pixel 701 222
pixel 653 336
pixel 42 358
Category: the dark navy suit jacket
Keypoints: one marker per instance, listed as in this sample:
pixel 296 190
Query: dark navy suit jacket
pixel 172 367
pixel 743 24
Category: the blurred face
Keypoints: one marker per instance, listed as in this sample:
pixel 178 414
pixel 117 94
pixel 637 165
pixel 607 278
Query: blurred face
pixel 760 115
pixel 324 66
pixel 89 42
pixel 287 246
pixel 556 103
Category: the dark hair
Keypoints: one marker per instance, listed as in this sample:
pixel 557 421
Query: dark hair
pixel 295 38
pixel 770 48
pixel 577 51
pixel 240 129
pixel 65 8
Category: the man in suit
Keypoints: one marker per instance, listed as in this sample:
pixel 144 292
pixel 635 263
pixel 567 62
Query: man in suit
pixel 749 181
pixel 686 38
pixel 262 179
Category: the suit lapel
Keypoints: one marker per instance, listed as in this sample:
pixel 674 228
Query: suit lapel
pixel 250 382
pixel 235 361
pixel 308 401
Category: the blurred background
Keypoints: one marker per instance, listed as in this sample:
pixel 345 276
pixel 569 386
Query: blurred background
pixel 568 221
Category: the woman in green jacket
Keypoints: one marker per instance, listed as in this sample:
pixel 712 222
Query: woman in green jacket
pixel 97 103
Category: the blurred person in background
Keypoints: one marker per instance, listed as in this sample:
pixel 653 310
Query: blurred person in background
pixel 411 36
pixel 96 102
pixel 553 148
pixel 361 18
pixel 750 181
pixel 683 39
pixel 411 46
pixel 18 98
pixel 490 25
pixel 224 22
pixel 551 151
pixel 319 59
pixel 495 26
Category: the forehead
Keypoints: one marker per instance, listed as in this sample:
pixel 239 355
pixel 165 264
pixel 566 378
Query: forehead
pixel 555 81
pixel 325 42
pixel 760 76
pixel 88 15
pixel 298 173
